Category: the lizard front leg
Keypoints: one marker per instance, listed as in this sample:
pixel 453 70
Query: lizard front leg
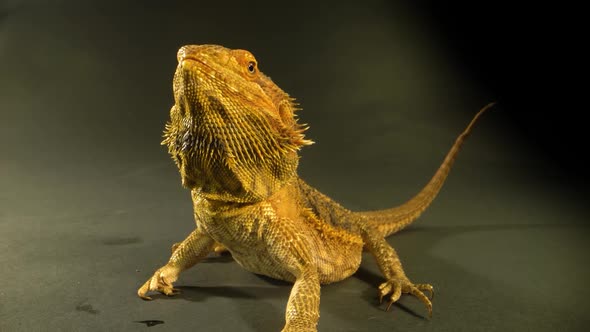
pixel 396 281
pixel 184 255
pixel 291 247
pixel 303 308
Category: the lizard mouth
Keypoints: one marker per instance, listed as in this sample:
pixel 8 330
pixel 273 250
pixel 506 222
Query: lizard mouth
pixel 189 63
pixel 191 59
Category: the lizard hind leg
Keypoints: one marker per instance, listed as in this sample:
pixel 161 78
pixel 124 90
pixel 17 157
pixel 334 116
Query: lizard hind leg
pixel 396 282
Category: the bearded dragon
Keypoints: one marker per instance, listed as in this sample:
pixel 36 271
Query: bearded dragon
pixel 235 137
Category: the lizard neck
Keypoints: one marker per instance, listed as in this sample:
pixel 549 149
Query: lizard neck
pixel 237 168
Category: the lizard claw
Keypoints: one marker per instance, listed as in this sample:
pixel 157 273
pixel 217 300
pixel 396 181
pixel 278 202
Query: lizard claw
pixel 428 288
pixel 161 281
pixel 397 287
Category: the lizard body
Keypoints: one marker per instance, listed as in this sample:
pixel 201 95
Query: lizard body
pixel 234 136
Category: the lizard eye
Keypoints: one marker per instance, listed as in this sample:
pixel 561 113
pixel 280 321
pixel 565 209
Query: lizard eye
pixel 251 67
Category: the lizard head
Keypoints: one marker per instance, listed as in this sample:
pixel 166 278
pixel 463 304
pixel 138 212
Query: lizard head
pixel 232 132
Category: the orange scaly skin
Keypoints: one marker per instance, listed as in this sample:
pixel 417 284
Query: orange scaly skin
pixel 234 137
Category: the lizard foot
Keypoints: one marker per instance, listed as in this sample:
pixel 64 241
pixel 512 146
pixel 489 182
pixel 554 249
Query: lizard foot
pixel 161 281
pixel 397 287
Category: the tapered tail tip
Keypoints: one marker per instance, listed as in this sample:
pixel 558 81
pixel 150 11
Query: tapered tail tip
pixel 487 107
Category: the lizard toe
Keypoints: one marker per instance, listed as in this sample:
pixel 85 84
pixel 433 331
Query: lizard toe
pixel 418 292
pixel 397 287
pixel 161 282
pixel 426 288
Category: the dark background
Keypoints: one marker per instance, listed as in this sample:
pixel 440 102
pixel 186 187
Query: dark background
pixel 90 202
pixel 527 56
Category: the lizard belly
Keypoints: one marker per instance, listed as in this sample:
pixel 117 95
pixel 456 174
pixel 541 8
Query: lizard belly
pixel 334 260
pixel 260 261
pixel 244 233
pixel 265 241
pixel 253 255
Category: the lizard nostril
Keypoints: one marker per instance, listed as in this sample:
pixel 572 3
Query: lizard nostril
pixel 181 53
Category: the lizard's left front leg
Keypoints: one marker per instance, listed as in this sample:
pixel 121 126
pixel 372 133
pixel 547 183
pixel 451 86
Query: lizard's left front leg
pixel 291 248
pixel 396 281
pixel 303 308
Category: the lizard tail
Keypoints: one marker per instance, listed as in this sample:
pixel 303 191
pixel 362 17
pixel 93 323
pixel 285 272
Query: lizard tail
pixel 389 221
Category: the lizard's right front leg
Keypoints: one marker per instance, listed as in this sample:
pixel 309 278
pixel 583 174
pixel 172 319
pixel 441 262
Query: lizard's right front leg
pixel 184 255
